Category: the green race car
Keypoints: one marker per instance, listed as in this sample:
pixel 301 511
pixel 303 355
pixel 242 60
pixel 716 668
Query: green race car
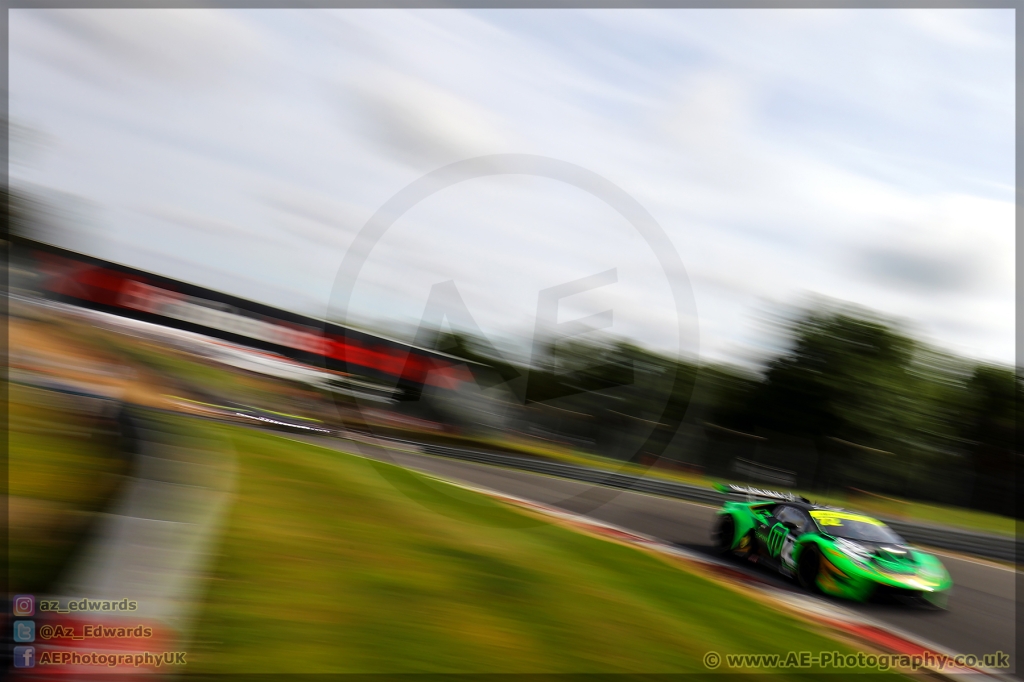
pixel 827 549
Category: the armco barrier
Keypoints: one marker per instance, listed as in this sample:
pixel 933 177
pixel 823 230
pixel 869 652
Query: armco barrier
pixel 980 544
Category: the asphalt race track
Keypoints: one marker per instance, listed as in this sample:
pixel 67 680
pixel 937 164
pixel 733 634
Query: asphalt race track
pixel 981 615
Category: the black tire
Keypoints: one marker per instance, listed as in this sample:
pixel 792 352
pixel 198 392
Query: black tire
pixel 724 533
pixel 807 568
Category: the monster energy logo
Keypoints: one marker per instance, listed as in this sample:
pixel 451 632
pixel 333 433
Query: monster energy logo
pixel 775 538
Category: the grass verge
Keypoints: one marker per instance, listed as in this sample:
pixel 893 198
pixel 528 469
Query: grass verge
pixel 62 470
pixel 327 565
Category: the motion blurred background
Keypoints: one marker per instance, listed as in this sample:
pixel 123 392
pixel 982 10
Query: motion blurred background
pixel 184 186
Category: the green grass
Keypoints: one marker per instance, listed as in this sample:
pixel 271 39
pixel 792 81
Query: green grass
pixel 178 364
pixel 330 563
pixel 61 470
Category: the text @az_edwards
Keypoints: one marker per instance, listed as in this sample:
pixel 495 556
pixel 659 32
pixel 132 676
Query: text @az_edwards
pixel 97 631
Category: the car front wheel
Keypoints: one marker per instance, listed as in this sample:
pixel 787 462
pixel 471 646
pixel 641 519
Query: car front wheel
pixel 808 567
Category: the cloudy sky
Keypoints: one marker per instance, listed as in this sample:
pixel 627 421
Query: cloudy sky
pixel 865 156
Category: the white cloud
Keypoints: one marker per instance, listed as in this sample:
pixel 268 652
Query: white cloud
pixel 865 155
pixel 414 122
pixel 960 28
pixel 315 217
pixel 173 45
pixel 963 245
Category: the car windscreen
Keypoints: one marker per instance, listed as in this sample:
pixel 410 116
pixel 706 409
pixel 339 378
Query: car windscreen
pixel 855 527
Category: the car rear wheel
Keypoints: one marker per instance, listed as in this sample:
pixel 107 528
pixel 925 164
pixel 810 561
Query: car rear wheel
pixel 725 531
pixel 808 567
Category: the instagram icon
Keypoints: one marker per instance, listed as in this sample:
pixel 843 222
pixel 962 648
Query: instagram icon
pixel 24 605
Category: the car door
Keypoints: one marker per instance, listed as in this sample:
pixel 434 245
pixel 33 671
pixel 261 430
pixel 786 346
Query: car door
pixel 777 530
pixel 765 530
pixel 796 522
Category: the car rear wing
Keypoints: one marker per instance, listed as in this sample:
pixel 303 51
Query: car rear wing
pixel 751 493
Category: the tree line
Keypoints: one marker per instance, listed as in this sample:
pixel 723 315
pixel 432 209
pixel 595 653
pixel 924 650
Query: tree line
pixel 854 402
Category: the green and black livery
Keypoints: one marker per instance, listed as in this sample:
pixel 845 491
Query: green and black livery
pixel 827 549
